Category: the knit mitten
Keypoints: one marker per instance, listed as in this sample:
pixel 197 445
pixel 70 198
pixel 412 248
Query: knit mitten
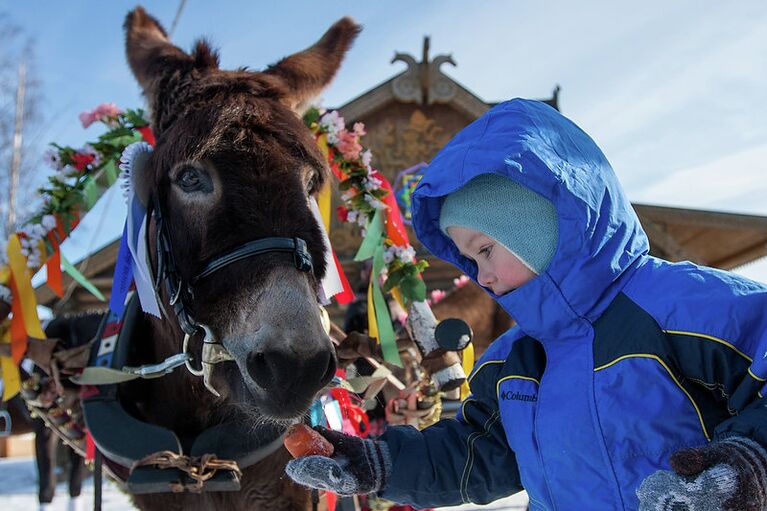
pixel 358 466
pixel 729 475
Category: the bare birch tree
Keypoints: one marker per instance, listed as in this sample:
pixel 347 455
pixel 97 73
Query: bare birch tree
pixel 20 127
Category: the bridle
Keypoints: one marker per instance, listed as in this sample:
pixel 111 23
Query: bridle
pixel 181 291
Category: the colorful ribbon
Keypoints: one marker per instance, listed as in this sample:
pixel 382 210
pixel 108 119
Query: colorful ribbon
pixel 122 277
pixel 80 278
pixel 386 337
pixel 467 362
pixel 395 227
pixel 9 372
pixel 21 280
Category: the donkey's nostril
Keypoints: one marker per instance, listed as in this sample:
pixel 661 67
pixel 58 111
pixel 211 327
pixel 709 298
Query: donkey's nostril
pixel 259 369
pixel 330 371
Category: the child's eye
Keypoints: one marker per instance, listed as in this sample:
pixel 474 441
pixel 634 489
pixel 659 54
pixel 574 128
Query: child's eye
pixel 486 250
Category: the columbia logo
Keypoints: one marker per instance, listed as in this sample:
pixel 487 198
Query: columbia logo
pixel 518 396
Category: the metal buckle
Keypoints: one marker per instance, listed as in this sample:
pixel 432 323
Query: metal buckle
pixel 212 353
pixel 156 370
pixel 301 257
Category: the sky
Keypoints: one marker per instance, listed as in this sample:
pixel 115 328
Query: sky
pixel 673 92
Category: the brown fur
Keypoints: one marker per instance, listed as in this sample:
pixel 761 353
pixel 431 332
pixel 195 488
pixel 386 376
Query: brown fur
pixel 239 133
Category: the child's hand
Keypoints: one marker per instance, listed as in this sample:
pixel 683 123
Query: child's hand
pixel 357 466
pixel 723 476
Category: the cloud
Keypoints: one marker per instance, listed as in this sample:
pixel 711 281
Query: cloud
pixel 734 182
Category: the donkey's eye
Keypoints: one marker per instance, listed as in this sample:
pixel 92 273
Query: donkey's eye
pixel 191 179
pixel 313 182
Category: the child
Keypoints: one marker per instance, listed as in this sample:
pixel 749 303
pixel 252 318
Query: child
pixel 628 383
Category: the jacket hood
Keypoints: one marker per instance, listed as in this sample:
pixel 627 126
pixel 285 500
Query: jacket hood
pixel 600 239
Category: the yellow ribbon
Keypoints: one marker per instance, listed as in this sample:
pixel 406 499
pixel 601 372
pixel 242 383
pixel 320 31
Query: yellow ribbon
pixel 5 275
pixel 23 280
pixel 397 295
pixel 323 201
pixel 9 371
pixel 322 142
pixel 467 361
pixel 372 323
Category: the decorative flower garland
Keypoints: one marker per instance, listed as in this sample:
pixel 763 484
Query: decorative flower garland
pixel 365 192
pixel 81 177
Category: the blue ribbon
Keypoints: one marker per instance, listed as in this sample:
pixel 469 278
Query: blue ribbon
pixel 317 414
pixel 123 276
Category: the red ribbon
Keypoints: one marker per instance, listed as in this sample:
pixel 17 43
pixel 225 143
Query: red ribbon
pixel 330 499
pixel 395 227
pixel 146 132
pixel 90 446
pixel 347 295
pixel 351 412
pixel 53 264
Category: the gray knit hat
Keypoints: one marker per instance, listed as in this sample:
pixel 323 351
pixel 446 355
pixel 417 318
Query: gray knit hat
pixel 518 218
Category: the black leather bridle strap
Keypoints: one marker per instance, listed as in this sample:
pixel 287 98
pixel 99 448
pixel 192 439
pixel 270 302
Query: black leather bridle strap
pixel 180 291
pixel 296 246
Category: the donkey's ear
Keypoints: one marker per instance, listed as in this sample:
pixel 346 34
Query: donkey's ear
pixel 153 58
pixel 306 73
pixel 150 54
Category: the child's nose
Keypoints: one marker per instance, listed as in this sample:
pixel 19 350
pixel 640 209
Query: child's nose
pixel 485 278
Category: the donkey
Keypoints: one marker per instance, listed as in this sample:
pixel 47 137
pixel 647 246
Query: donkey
pixel 233 163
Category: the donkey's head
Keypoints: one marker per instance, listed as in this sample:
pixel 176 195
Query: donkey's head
pixel 234 163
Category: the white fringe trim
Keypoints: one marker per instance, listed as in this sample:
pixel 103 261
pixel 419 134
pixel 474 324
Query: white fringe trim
pixel 130 156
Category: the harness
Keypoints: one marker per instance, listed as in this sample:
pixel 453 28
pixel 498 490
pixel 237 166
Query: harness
pixel 155 456
pixel 181 291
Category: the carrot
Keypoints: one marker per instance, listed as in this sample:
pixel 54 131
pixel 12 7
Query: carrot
pixel 302 440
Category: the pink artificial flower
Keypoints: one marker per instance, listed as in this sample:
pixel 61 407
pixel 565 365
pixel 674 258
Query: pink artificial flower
pixel 105 113
pixel 348 145
pixel 359 129
pixel 108 110
pixel 88 118
pixel 437 295
pixel 460 281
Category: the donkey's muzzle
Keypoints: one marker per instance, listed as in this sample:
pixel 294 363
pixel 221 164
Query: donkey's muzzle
pixel 293 375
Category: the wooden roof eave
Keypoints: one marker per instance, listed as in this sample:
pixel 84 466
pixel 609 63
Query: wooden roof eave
pixel 376 98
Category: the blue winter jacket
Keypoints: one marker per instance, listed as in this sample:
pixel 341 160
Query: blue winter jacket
pixel 618 359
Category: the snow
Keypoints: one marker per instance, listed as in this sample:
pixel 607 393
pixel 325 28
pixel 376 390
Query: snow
pixel 18 492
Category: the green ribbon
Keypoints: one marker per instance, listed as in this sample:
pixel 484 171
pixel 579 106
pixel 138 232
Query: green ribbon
pixel 80 278
pixel 91 192
pixel 110 172
pixel 372 238
pixel 385 329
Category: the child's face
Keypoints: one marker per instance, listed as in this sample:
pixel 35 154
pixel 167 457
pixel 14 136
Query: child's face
pixel 497 268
